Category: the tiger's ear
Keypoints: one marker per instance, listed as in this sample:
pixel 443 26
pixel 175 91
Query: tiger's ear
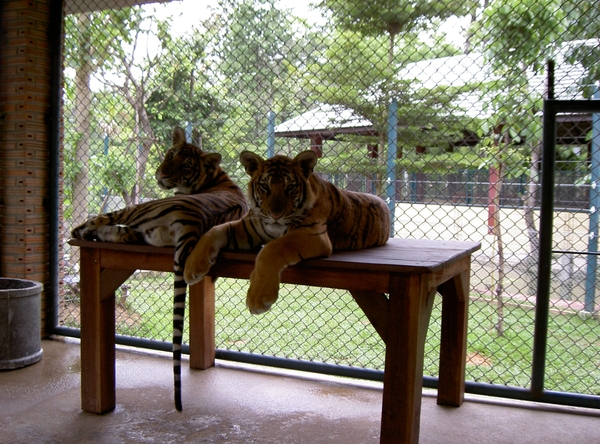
pixel 250 161
pixel 307 160
pixel 211 161
pixel 178 136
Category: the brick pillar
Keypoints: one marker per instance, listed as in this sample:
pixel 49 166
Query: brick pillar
pixel 25 85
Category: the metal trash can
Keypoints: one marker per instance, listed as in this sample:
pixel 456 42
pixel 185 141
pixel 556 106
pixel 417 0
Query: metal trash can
pixel 20 339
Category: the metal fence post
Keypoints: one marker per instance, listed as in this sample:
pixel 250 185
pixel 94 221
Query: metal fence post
pixel 271 134
pixel 592 258
pixel 392 151
pixel 542 304
pixel 188 132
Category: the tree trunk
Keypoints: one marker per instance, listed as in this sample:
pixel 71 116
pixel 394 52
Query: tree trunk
pixel 501 142
pixel 134 93
pixel 82 116
pixel 83 95
pixel 499 290
pixel 530 201
pixel 391 48
pixel 530 262
pixel 146 138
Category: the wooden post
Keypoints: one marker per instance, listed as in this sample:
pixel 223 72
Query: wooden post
pixel 202 324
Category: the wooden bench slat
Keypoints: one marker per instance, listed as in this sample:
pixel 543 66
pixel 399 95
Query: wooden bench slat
pixel 398 255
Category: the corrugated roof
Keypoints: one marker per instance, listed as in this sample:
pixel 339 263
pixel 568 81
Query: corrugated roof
pixel 324 117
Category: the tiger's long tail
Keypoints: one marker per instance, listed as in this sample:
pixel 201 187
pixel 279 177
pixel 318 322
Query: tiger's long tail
pixel 179 287
pixel 185 244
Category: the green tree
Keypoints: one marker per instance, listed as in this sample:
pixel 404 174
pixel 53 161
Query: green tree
pixel 263 48
pixel 130 75
pixel 147 86
pixel 516 36
pixel 186 87
pixel 392 18
pixel 88 39
pixel 356 73
pixel 582 31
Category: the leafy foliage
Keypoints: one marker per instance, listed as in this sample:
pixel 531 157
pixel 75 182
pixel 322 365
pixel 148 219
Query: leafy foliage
pixel 391 17
pixel 260 54
pixel 183 88
pixel 583 47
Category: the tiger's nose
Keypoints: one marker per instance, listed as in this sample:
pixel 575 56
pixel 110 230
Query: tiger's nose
pixel 276 215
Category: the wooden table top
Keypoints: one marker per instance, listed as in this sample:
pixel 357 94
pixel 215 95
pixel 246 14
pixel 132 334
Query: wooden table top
pixel 397 255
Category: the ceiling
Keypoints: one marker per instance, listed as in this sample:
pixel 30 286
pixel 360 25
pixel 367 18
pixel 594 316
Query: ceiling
pixel 78 6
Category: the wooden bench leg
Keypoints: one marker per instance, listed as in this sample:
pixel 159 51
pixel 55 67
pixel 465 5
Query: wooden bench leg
pixel 202 324
pixel 410 306
pixel 455 312
pixel 97 338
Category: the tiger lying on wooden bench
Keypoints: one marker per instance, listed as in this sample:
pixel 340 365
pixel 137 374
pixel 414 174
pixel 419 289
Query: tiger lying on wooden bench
pixel 205 196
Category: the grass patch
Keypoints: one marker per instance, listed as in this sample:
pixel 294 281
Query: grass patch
pixel 326 325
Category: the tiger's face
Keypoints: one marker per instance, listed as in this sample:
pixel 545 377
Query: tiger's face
pixel 185 166
pixel 279 191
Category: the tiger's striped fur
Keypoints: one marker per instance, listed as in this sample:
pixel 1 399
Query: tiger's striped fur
pixel 296 215
pixel 205 196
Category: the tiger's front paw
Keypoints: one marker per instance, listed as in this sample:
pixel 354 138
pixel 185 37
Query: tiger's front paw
pixel 195 271
pixel 198 264
pixel 262 293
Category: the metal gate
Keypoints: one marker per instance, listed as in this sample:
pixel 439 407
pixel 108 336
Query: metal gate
pixel 552 108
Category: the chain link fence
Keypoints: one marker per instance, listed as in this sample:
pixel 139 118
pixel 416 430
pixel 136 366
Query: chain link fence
pixel 468 79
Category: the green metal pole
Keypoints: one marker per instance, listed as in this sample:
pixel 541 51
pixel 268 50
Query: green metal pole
pixel 592 258
pixel 392 153
pixel 271 134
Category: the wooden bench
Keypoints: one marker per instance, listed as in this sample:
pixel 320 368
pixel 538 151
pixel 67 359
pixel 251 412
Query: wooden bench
pixel 394 285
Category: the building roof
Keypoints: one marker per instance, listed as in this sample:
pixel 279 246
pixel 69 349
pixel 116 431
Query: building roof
pixel 327 121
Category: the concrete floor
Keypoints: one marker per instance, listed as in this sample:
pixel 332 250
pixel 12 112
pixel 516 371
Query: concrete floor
pixel 234 403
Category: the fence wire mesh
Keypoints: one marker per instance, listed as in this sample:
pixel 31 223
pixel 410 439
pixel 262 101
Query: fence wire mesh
pixel 468 78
